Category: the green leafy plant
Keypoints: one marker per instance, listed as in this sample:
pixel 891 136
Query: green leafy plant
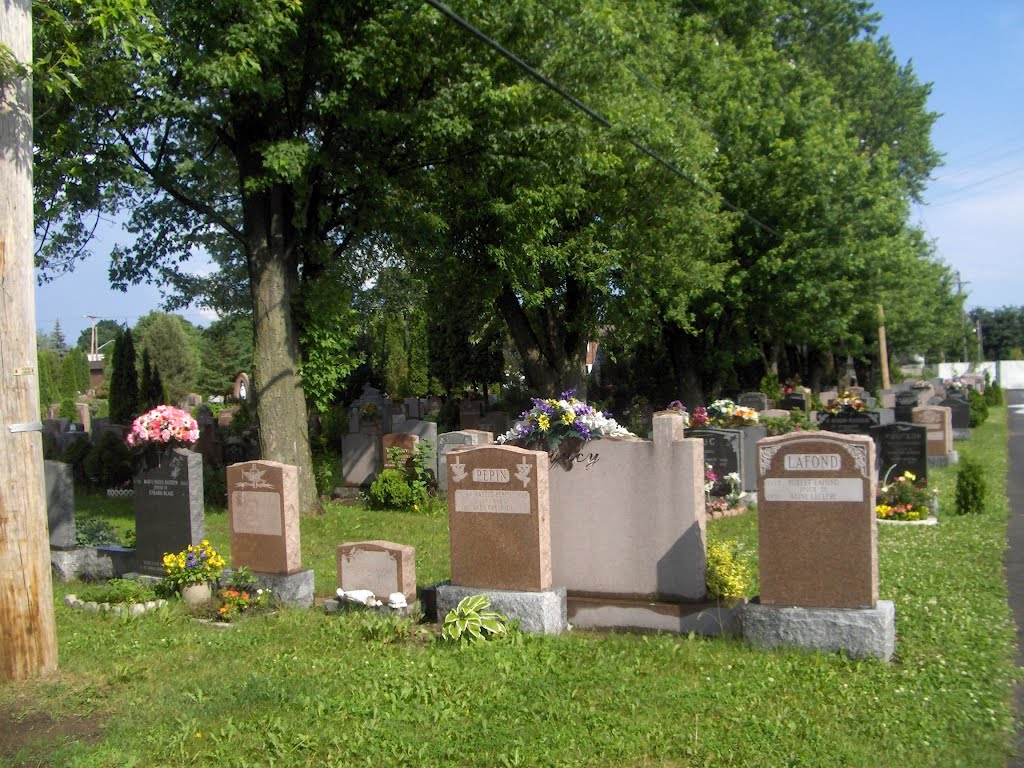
pixel 109 463
pixel 234 602
pixel 993 394
pixel 728 572
pixel 244 579
pixel 392 490
pixel 979 408
pixel 471 620
pixel 324 464
pixel 387 629
pixel 970 488
pixel 117 591
pixel 95 532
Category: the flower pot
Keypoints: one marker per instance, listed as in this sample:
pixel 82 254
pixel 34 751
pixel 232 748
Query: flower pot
pixel 194 594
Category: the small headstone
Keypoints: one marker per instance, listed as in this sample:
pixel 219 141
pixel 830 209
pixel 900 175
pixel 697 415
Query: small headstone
pixel 55 426
pixel 906 402
pixel 447 442
pixel 817 529
pixel 901 448
pixel 850 422
pixel 263 516
pixel 382 567
pixel 731 451
pixel 360 459
pixel 499 521
pixel 960 411
pixel 828 396
pixel 169 509
pixel 404 442
pixel 775 413
pixel 939 422
pixel 756 400
pixel 60 503
pixel 888 398
pixel 794 401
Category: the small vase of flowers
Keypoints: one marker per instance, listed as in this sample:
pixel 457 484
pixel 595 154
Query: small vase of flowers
pixel 197 564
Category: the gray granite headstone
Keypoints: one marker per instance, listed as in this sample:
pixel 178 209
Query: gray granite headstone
pixel 360 458
pixel 961 410
pixel 906 402
pixel 60 503
pixel 850 422
pixel 731 450
pixel 756 400
pixel 794 401
pixel 169 513
pixel 446 442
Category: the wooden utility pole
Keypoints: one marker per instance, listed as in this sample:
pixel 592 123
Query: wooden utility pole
pixel 28 636
pixel 883 349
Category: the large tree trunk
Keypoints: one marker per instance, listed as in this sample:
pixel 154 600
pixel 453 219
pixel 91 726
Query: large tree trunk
pixel 28 637
pixel 273 272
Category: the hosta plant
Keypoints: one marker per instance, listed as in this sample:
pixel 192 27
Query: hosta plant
pixel 472 620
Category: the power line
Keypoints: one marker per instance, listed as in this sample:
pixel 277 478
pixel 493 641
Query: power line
pixel 593 115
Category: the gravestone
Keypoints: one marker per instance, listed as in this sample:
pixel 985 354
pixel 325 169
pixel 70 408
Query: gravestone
pixel 360 459
pixel 794 401
pixel 403 441
pixel 939 422
pixel 888 398
pixel 731 450
pixel 906 402
pixel 924 392
pixel 382 567
pixel 447 442
pixel 55 426
pixel 470 413
pixel 168 501
pixel 360 420
pixel 901 448
pixel 775 413
pixel 817 530
pixel 960 415
pixel 263 517
pixel 499 520
pixel 60 503
pixel 210 444
pixel 828 396
pixel 848 422
pixel 84 416
pixel 481 436
pixel 756 400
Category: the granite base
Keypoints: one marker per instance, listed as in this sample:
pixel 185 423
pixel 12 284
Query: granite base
pixel 91 563
pixel 948 460
pixel 861 632
pixel 294 589
pixel 711 619
pixel 537 612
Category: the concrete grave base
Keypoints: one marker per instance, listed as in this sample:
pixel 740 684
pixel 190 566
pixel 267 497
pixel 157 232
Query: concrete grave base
pixel 537 612
pixel 948 460
pixel 711 619
pixel 92 563
pixel 961 434
pixel 861 632
pixel 295 589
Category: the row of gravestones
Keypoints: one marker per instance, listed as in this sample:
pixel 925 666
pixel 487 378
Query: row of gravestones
pixel 925 436
pixel 622 545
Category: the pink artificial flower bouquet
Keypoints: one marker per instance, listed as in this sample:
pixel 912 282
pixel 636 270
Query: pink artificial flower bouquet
pixel 164 425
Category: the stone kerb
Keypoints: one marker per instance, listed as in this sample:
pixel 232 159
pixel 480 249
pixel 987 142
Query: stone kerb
pixel 499 520
pixel 817 530
pixel 628 520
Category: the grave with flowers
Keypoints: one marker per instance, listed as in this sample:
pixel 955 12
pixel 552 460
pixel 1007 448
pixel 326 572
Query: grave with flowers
pixel 730 433
pixel 625 535
pixel 168 485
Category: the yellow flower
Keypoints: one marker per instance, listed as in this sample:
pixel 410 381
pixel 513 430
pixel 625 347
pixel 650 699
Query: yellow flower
pixel 568 418
pixel 543 422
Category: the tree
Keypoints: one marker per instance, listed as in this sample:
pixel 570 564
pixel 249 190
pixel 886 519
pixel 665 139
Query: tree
pixel 226 349
pixel 124 381
pixel 151 388
pixel 173 347
pixel 1002 331
pixel 74 374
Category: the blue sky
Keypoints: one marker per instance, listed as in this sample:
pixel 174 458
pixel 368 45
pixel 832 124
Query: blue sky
pixel 972 53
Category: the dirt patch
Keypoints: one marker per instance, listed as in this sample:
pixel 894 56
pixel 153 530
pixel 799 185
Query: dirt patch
pixel 31 736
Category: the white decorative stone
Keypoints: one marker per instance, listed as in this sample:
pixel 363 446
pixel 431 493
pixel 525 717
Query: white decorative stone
pixel 136 610
pixel 359 596
pixel 70 600
pixel 397 600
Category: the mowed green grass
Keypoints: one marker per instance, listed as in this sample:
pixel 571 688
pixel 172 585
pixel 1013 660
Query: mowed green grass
pixel 301 688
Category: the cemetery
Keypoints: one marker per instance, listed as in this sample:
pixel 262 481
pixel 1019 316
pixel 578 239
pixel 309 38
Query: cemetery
pixel 536 407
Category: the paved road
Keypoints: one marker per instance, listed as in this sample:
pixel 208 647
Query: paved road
pixel 1015 537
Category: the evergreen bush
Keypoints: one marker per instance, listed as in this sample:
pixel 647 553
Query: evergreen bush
pixel 979 408
pixel 994 394
pixel 124 382
pixel 970 488
pixel 109 463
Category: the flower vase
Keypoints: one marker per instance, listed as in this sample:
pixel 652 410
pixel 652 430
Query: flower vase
pixel 195 594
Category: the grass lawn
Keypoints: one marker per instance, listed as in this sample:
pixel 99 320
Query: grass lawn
pixel 301 688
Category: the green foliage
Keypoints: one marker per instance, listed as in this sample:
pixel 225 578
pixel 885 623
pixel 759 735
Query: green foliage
pixel 994 394
pixel 471 620
pixel 384 629
pixel 75 454
pixel 68 410
pixel 771 387
pixel 328 336
pixel 109 464
pixel 227 349
pixel 124 381
pixel 173 346
pixel 215 485
pixel 728 572
pixel 48 363
pixel 242 579
pixel 116 591
pixel 971 489
pixel 325 464
pixel 979 408
pixel 74 374
pixel 95 532
pixel 798 421
pixel 391 489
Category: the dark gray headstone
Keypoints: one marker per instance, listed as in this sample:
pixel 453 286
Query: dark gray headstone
pixel 756 400
pixel 64 439
pixel 55 426
pixel 169 512
pixel 961 411
pixel 360 459
pixel 731 450
pixel 60 503
pixel 906 402
pixel 901 448
pixel 447 442
pixel 794 401
pixel 850 422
